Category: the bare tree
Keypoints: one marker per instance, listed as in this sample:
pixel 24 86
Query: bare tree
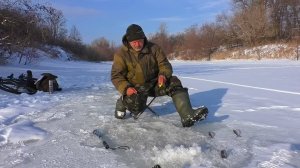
pixel 252 23
pixel 55 21
pixel 104 48
pixel 285 16
pixel 162 38
pixel 19 30
pixel 176 41
pixel 212 36
pixel 75 35
pixel 192 43
pixel 23 26
pixel 229 36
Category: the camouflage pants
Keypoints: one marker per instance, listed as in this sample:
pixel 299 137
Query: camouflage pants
pixel 136 103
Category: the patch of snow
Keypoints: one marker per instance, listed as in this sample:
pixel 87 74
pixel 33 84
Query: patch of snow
pixel 260 98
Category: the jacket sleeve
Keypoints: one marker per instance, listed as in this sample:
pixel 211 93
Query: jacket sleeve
pixel 165 67
pixel 119 73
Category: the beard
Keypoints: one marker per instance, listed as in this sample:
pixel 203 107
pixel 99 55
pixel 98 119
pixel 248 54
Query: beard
pixel 139 48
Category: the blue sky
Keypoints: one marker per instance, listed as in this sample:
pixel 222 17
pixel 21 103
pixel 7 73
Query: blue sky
pixel 110 18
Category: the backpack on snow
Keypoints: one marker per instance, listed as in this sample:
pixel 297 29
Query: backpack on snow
pixel 42 84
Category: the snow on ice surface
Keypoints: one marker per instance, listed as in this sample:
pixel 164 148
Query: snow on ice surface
pixel 260 98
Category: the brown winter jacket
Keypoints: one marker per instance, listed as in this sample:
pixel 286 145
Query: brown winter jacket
pixel 132 68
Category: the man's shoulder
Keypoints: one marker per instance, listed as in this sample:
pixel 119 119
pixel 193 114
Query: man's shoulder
pixel 122 50
pixel 152 45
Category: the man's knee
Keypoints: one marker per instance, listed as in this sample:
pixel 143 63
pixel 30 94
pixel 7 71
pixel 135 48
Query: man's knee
pixel 174 86
pixel 175 82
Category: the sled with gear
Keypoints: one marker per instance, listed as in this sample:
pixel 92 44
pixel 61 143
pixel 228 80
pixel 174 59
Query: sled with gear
pixel 25 83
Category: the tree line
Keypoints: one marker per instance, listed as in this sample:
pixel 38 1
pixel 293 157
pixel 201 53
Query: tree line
pixel 251 23
pixel 25 26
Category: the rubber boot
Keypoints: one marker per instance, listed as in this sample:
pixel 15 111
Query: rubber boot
pixel 183 106
pixel 120 110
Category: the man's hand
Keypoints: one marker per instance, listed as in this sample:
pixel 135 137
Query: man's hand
pixel 130 91
pixel 161 80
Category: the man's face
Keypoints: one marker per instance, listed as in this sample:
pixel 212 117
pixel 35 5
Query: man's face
pixel 137 45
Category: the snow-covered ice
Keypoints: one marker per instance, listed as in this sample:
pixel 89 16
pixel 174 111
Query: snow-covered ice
pixel 260 98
